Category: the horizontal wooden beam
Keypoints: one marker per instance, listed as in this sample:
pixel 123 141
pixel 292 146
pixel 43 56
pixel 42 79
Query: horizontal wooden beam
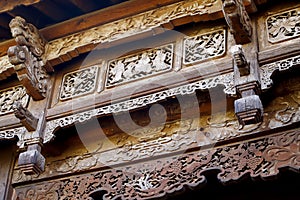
pixel 9 5
pixel 96 18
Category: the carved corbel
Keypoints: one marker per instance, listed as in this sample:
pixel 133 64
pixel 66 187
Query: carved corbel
pixel 26 118
pixel 238 20
pixel 32 161
pixel 28 57
pixel 248 108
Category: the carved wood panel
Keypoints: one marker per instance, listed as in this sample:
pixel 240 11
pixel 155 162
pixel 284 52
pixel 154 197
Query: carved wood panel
pixel 79 82
pixel 11 95
pixel 283 26
pixel 140 65
pixel 204 46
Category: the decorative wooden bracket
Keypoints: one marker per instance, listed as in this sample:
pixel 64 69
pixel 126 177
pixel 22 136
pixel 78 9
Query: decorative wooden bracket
pixel 248 108
pixel 32 161
pixel 27 119
pixel 28 57
pixel 238 20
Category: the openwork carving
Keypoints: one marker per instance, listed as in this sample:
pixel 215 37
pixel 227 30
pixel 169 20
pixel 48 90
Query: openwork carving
pixel 238 20
pixel 11 95
pixel 224 79
pixel 27 57
pixel 140 65
pixel 281 65
pixel 156 178
pixel 205 46
pixel 16 133
pixel 78 83
pixel 283 26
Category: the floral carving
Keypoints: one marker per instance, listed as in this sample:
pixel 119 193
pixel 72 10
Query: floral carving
pixel 156 178
pixel 283 26
pixel 140 65
pixel 205 46
pixel 79 83
pixel 11 95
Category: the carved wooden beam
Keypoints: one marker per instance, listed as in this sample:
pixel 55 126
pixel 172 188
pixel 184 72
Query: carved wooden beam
pixel 238 20
pixel 259 158
pixel 28 57
pixel 26 118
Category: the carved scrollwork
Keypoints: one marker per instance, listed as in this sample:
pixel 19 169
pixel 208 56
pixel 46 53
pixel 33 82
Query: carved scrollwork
pixel 78 83
pixel 205 46
pixel 30 71
pixel 224 79
pixel 16 133
pixel 28 57
pixel 238 20
pixel 140 65
pixel 281 65
pixel 156 178
pixel 11 95
pixel 283 26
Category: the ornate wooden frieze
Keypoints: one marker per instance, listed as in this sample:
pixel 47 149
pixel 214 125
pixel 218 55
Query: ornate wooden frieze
pixel 123 28
pixel 169 138
pixel 238 20
pixel 140 65
pixel 259 158
pixel 139 102
pixel 204 46
pixel 281 65
pixel 65 48
pixel 79 82
pixel 283 26
pixel 28 57
pixel 11 95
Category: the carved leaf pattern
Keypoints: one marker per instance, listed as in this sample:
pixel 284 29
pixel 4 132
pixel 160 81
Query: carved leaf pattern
pixel 156 178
